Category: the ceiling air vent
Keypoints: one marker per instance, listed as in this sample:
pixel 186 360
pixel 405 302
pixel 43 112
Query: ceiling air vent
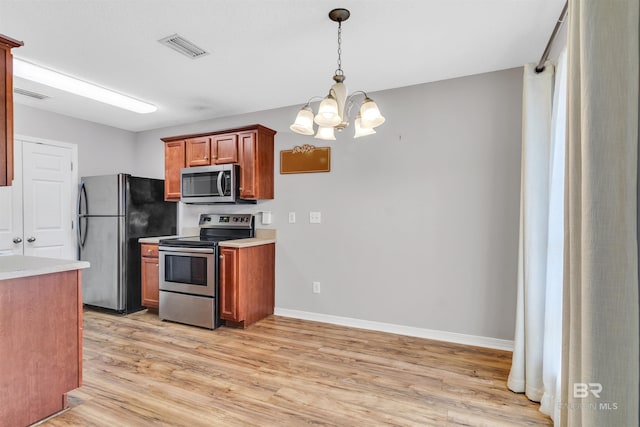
pixel 184 46
pixel 28 93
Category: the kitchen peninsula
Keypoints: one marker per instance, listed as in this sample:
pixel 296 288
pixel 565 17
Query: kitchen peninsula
pixel 40 336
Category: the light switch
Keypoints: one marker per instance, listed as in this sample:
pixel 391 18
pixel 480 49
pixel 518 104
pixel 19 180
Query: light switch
pixel 315 217
pixel 292 217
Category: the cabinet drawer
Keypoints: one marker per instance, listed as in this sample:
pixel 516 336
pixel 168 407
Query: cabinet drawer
pixel 149 250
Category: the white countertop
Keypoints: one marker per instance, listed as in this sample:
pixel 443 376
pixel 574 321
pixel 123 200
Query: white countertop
pixel 264 236
pixel 16 266
pixel 245 243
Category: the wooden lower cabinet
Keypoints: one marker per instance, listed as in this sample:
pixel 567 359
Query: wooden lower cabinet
pixel 150 276
pixel 247 284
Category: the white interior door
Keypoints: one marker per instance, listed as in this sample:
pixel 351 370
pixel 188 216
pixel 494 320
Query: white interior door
pixel 11 240
pixel 47 205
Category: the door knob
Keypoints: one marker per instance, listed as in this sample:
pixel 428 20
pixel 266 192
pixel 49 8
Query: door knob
pixel 17 240
pixel 31 239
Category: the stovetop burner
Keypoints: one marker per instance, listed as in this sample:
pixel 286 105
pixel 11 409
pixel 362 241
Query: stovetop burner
pixel 215 228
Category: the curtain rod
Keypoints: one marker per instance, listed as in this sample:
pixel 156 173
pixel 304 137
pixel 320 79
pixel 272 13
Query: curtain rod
pixel 545 54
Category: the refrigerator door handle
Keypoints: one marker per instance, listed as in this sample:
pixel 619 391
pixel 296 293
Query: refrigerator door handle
pixel 83 191
pixel 82 238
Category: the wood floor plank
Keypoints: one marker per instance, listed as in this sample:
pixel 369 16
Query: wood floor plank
pixel 139 371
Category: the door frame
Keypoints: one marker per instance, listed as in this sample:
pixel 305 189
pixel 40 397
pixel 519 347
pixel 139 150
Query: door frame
pixel 74 175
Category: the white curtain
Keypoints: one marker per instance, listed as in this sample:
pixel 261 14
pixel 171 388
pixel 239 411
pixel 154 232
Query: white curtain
pixel 552 350
pixel 600 308
pixel 536 360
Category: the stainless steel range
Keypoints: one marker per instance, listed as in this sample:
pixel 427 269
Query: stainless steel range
pixel 189 269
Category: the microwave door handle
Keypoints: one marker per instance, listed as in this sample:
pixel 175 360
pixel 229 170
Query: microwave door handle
pixel 220 176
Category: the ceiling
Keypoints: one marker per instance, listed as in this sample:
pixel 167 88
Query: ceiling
pixel 264 54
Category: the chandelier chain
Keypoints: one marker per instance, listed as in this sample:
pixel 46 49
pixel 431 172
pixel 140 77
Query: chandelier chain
pixel 339 70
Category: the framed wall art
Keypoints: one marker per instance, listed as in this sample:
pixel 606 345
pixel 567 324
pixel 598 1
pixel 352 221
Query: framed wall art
pixel 305 159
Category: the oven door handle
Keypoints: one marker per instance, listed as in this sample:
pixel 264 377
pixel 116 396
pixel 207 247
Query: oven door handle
pixel 186 250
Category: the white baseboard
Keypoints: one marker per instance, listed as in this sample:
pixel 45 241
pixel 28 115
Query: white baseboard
pixel 411 331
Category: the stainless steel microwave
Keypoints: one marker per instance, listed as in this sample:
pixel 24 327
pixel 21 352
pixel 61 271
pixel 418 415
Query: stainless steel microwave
pixel 210 184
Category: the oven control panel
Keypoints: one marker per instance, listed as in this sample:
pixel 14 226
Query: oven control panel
pixel 226 221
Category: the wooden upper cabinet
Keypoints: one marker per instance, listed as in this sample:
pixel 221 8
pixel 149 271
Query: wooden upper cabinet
pixel 6 109
pixel 224 149
pixel 250 147
pixel 256 163
pixel 248 167
pixel 174 160
pixel 198 152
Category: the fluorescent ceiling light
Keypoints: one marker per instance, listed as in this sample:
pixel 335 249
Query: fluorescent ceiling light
pixel 35 73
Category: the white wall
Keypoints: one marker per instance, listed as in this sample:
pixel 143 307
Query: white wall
pixel 420 221
pixel 102 149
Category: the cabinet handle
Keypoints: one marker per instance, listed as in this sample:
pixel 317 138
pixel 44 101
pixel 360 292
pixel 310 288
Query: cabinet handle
pixel 149 251
pixel 157 265
pixel 31 239
pixel 17 240
pixel 206 157
pixel 221 256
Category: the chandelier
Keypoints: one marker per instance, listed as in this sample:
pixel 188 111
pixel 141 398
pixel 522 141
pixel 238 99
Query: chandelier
pixel 335 108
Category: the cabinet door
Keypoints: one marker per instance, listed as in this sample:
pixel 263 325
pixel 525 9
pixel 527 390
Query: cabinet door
pixel 224 149
pixel 174 158
pixel 247 160
pixel 229 285
pixel 198 152
pixel 150 282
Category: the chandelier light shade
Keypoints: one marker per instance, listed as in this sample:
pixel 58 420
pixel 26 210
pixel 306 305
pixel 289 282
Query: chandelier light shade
pixel 328 112
pixel 370 113
pixel 304 121
pixel 326 133
pixel 335 108
pixel 360 130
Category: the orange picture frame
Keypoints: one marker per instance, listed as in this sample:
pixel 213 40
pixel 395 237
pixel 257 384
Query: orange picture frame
pixel 305 159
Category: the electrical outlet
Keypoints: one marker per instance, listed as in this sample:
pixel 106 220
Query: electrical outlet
pixel 316 287
pixel 292 217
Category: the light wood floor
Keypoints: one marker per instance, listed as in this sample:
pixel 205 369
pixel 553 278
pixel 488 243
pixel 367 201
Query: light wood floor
pixel 139 371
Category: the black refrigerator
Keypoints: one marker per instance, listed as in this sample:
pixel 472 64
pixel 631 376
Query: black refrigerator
pixel 114 211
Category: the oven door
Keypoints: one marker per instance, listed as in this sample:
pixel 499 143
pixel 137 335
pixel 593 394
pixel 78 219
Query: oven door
pixel 188 270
